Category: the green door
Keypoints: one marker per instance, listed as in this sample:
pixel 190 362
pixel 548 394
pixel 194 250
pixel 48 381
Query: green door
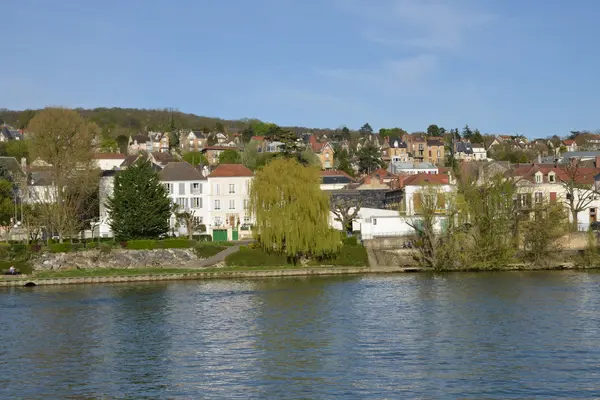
pixel 234 234
pixel 220 235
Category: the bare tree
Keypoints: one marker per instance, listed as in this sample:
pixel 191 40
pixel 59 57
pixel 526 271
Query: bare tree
pixel 345 210
pixel 63 141
pixel 578 193
pixel 191 222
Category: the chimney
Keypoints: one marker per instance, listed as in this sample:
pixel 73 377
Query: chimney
pixel 23 163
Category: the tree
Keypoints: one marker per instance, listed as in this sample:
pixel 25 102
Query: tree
pixel 63 139
pixel 17 149
pixel 173 139
pixel 219 127
pixel 122 142
pixel 24 117
pixel 346 133
pixel 467 132
pixel 433 130
pixel 549 223
pixel 366 129
pixel 250 154
pixel 369 158
pixel 291 211
pixel 7 206
pixel 342 161
pixel 140 207
pixel 578 194
pixel 211 140
pixel 248 134
pixel 190 222
pixel 230 157
pixel 109 145
pixel 476 137
pixel 309 157
pixel 195 158
pixel 345 210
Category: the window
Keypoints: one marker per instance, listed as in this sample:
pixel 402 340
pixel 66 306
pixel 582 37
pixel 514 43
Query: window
pixel 538 178
pixel 539 197
pixel 246 219
pixel 231 188
pixel 438 154
pixel 182 202
pixel 196 188
pixel 182 188
pixel 374 221
pixel 196 202
pixel 326 155
pixel 246 204
pixel 232 204
pixel 169 187
pixel 217 204
pixel 551 178
pixel 217 189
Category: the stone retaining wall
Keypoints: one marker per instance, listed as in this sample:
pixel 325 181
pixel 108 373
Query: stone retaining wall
pixel 117 258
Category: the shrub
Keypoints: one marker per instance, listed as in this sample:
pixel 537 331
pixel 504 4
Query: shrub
pixel 77 246
pixel 60 247
pixel 91 245
pixel 247 257
pixel 141 244
pixel 5 250
pixel 349 256
pixel 205 238
pixel 175 244
pixel 206 250
pixel 350 240
pixel 34 248
pixel 105 248
pixel 18 250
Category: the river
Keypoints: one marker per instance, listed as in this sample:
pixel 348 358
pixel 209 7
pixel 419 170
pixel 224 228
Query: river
pixel 480 336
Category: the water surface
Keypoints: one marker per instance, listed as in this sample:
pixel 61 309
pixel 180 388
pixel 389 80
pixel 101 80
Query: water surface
pixel 486 335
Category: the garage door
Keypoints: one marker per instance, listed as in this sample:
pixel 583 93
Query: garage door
pixel 220 235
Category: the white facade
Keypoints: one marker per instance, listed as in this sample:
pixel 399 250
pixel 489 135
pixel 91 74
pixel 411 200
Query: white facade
pixel 106 189
pixel 412 169
pixel 479 153
pixel 411 190
pixel 108 163
pixel 228 202
pixel 190 196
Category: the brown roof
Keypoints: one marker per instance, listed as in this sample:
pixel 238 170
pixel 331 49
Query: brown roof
pixel 581 175
pixel 218 148
pixel 425 179
pixel 335 172
pixel 130 160
pixel 568 142
pixel 180 171
pixel 162 157
pixel 109 156
pixel 230 170
pixel 434 142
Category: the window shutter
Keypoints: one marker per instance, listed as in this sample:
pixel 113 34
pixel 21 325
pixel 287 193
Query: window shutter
pixel 553 197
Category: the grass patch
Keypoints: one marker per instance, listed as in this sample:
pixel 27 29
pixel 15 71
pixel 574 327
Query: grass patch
pixel 349 256
pixel 209 249
pixel 248 257
pixel 22 265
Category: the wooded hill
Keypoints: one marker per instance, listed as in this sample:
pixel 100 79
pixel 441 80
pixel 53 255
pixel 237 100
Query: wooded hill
pixel 124 121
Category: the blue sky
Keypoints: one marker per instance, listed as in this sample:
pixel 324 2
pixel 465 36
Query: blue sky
pixel 510 66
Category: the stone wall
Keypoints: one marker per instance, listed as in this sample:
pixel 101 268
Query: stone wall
pixel 117 258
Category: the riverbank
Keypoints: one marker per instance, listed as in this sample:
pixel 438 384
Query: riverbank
pixel 172 274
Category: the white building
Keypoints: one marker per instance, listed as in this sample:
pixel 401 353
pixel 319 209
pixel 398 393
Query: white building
pixel 335 180
pixel 109 161
pixel 229 196
pixel 188 188
pixel 479 152
pixel 398 168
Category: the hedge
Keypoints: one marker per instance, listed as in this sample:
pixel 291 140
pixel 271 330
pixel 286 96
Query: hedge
pixel 248 257
pixel 175 244
pixel 61 247
pixel 349 256
pixel 206 250
pixel 141 244
pixel 350 240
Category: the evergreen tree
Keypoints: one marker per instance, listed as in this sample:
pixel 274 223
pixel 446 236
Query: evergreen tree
pixel 346 133
pixel 139 207
pixel 366 129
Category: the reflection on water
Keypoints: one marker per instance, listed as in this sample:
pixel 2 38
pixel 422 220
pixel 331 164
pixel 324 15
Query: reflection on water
pixel 493 335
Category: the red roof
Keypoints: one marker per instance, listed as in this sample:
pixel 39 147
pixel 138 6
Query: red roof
pixel 316 146
pixel 230 170
pixel 424 179
pixel 258 138
pixel 581 175
pixel 109 156
pixel 568 142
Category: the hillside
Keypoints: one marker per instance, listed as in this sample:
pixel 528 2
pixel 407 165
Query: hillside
pixel 123 121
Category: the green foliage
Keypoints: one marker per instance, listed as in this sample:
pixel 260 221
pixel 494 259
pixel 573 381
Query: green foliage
pixel 173 140
pixel 433 130
pixel 60 247
pixel 22 266
pixel 7 207
pixel 195 158
pixel 105 248
pixel 175 244
pixel 248 257
pixel 342 161
pixel 349 240
pixel 366 129
pixel 348 256
pixel 16 148
pixel 204 238
pixel 230 157
pixel 206 250
pixel 250 154
pixel 140 207
pixel 109 145
pixel 548 222
pixel 141 244
pixel 392 132
pixel 369 158
pixel 122 142
pixel 91 245
pixel 291 211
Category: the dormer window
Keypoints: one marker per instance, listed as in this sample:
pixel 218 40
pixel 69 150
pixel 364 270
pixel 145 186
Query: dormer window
pixel 552 177
pixel 538 177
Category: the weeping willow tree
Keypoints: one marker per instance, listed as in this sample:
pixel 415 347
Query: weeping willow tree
pixel 291 211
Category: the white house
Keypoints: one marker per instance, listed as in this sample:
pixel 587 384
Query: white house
pixel 109 161
pixel 479 152
pixel 229 196
pixel 412 168
pixel 188 188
